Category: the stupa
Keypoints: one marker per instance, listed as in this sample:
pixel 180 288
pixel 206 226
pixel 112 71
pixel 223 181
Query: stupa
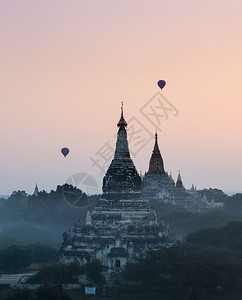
pixel 122 225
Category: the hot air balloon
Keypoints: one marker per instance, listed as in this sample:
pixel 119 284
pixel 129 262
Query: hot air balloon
pixel 161 84
pixel 65 151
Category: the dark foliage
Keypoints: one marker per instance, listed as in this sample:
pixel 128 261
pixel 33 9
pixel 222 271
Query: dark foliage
pixel 20 196
pixel 227 237
pixel 20 294
pixel 233 204
pixel 7 240
pixel 56 292
pixel 44 292
pixel 214 194
pixel 93 270
pixel 186 270
pixel 15 258
pixel 43 253
pixel 51 211
pixel 58 273
pixel 68 273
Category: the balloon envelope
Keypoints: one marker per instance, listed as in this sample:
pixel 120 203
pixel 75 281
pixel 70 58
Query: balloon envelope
pixel 161 84
pixel 65 151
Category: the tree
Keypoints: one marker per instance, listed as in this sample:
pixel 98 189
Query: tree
pixel 15 258
pixel 20 294
pixel 227 237
pixel 58 273
pixel 51 293
pixel 44 292
pixel 18 195
pixel 186 270
pixel 93 270
pixel 233 204
pixel 43 253
pixel 7 240
pixel 215 194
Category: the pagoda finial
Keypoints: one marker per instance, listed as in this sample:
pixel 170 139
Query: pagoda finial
pixel 156 141
pixel 122 121
pixel 156 136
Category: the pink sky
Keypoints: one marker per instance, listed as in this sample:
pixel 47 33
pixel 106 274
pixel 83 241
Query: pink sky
pixel 65 66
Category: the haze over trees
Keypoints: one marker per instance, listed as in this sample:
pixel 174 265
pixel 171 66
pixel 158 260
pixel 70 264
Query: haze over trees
pixel 197 269
pixel 15 258
pixel 208 265
pixel 41 218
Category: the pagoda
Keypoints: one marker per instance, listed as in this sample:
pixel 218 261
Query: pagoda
pixel 158 186
pixel 156 182
pixel 122 225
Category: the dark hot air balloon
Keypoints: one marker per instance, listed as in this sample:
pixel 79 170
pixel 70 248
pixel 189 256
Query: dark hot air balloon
pixel 65 151
pixel 161 84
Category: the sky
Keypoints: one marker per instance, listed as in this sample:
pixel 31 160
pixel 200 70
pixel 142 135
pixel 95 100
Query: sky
pixel 65 67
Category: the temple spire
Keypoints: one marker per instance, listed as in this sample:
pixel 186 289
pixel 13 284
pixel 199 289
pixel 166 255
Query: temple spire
pixel 122 123
pixel 121 176
pixel 36 191
pixel 179 183
pixel 156 161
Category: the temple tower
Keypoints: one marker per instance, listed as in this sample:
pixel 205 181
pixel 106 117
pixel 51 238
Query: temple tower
pixel 122 176
pixel 156 162
pixel 156 182
pixel 122 225
pixel 179 183
pixel 36 191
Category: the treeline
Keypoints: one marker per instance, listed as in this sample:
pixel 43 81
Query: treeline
pixel 43 292
pixel 68 273
pixel 207 266
pixel 46 216
pixel 15 258
pixel 184 222
pixel 226 237
pixel 53 212
pixel 187 271
pixel 45 207
pixel 54 275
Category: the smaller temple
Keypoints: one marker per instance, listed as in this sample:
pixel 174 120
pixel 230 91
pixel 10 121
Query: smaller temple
pixel 36 191
pixel 159 186
pixel 156 182
pixel 179 183
pixel 156 162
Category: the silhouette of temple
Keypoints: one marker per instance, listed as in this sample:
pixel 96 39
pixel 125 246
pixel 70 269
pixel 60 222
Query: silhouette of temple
pixel 36 191
pixel 159 186
pixel 122 225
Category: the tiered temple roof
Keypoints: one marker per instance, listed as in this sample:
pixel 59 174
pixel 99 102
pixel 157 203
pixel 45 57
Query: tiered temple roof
pixel 122 176
pixel 122 225
pixel 158 186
